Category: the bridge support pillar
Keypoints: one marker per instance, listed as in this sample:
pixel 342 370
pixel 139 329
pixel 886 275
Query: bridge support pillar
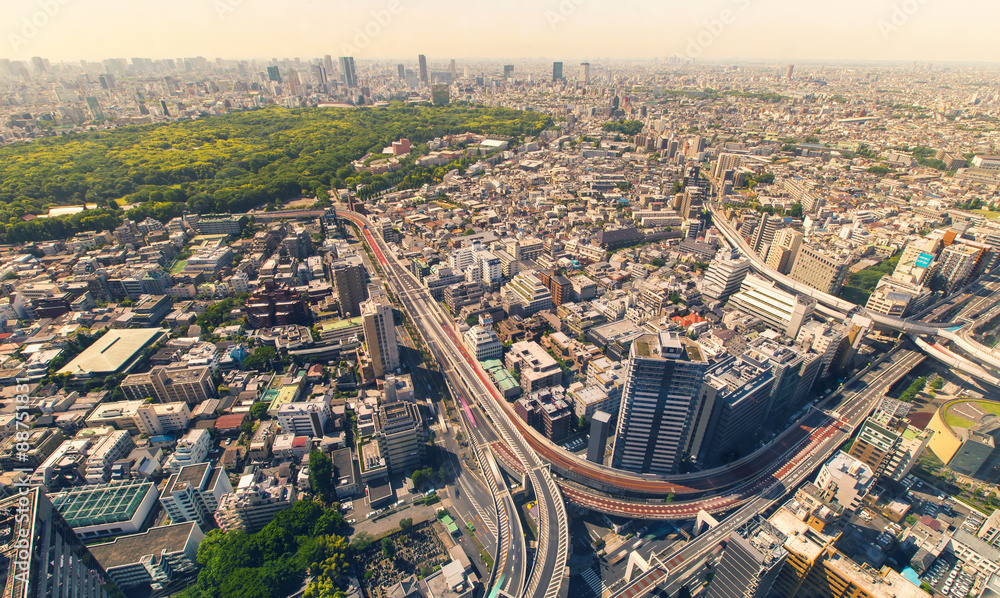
pixel 634 560
pixel 704 522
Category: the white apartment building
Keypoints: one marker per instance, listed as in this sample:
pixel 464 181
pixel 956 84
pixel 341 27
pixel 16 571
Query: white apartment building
pixel 193 494
pixel 114 446
pixel 848 478
pixel 156 419
pixel 483 342
pixel 304 419
pixel 191 449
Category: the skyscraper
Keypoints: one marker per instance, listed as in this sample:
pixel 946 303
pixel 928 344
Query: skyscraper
pixel 764 234
pixel 401 72
pixel 347 72
pixel 380 336
pixel 557 71
pixel 753 558
pixel 42 555
pixel 273 74
pixel 585 73
pixel 508 71
pixel 349 282
pixel 661 403
pixel 454 70
pixel 423 69
pixel 819 269
pixel 784 248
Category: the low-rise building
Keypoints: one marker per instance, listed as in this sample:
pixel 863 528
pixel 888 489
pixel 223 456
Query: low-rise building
pixel 537 368
pixel 152 558
pixel 483 343
pixel 254 503
pixel 106 509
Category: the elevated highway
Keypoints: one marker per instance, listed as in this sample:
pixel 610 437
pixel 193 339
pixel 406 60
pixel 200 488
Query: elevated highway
pixel 613 491
pixel 465 378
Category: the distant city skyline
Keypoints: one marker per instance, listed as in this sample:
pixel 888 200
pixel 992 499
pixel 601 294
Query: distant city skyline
pixel 888 30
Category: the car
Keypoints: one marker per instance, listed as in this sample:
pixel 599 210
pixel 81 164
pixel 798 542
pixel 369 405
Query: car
pixel 352 521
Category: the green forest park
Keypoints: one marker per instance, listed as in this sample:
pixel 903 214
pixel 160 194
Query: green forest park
pixel 229 163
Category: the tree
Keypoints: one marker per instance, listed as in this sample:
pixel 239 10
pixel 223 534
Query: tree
pixel 582 422
pixel 388 550
pixel 321 475
pixel 406 525
pixel 259 410
pixel 361 541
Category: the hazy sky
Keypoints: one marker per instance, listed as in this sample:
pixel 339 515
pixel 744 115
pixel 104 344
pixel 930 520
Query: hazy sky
pixel 926 30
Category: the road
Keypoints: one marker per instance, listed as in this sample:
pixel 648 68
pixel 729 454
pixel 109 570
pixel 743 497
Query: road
pixel 604 489
pixel 466 379
pixel 850 407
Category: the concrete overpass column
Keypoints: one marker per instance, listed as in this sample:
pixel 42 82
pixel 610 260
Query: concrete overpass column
pixel 634 560
pixel 704 522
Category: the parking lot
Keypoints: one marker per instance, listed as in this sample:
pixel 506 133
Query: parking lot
pixel 950 577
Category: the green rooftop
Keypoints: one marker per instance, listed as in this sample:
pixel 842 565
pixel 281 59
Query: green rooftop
pixel 341 324
pixel 86 506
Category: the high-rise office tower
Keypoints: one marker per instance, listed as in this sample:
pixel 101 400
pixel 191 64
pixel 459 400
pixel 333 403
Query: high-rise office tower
pixel 752 560
pixel 765 232
pixel 328 64
pixel 347 72
pixel 585 73
pixel 42 555
pixel 319 74
pixel 557 71
pixel 819 269
pixel 454 70
pixel 349 281
pixel 600 424
pixel 401 72
pixel 508 71
pixel 784 248
pixel 660 403
pixel 424 78
pixel 380 336
pixel 791 69
pixel 273 74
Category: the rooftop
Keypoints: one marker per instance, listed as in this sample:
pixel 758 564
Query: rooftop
pixel 102 504
pixel 130 549
pixel 113 352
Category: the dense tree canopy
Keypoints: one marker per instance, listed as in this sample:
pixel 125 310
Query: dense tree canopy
pixel 273 562
pixel 228 163
pixel 625 127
